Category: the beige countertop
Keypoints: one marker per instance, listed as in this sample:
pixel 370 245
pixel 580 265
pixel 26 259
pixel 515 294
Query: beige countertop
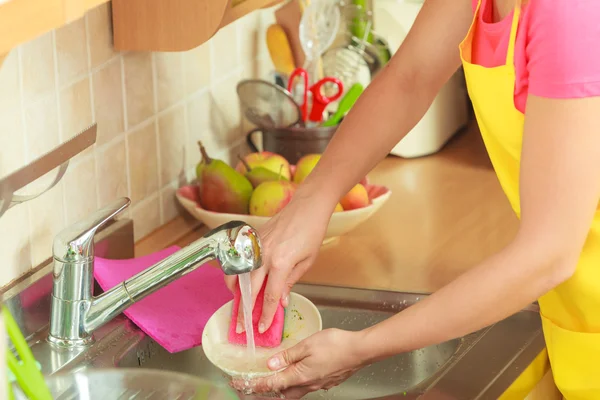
pixel 447 212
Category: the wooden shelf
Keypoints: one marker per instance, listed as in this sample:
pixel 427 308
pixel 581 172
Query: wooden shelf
pixel 139 25
pixel 24 20
pixel 174 25
pixel 165 25
pixel 239 8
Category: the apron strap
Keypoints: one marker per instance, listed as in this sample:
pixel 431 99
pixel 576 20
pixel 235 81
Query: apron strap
pixel 510 54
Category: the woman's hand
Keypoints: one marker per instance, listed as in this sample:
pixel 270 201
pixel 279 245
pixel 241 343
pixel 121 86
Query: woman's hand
pixel 290 243
pixel 321 361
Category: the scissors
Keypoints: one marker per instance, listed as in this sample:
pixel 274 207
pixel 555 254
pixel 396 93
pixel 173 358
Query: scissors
pixel 319 100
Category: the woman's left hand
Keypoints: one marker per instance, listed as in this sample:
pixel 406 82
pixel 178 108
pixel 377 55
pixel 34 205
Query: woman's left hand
pixel 321 361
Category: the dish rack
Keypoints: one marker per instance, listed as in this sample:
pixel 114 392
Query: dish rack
pixel 357 53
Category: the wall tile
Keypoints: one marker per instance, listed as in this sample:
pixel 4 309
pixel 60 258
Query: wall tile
pixel 224 54
pixel 99 22
pixel 143 162
pixel 146 217
pixel 225 111
pixel 15 249
pixel 37 67
pixel 170 205
pixel 169 79
pixel 197 64
pixel 71 51
pixel 41 125
pixel 47 220
pixel 12 155
pixel 10 95
pixel 108 101
pixel 165 102
pixel 75 108
pixel 139 90
pixel 171 144
pixel 80 190
pixel 251 37
pixel 200 128
pixel 112 172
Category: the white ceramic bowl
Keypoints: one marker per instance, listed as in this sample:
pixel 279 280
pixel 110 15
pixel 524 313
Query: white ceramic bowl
pixel 339 224
pixel 302 319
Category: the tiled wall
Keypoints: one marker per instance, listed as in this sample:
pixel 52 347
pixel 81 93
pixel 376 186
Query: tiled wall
pixel 151 108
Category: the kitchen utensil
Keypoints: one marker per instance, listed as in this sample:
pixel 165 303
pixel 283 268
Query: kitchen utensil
pixel 300 72
pixel 345 105
pixel 57 158
pixel 302 319
pixel 345 62
pixel 279 49
pixel 361 17
pixel 339 224
pixel 175 315
pixel 318 27
pixel 267 105
pixel 291 142
pixel 28 376
pixel 130 384
pixel 319 99
pixel 288 16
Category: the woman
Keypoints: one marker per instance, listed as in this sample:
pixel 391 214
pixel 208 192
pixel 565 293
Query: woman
pixel 533 75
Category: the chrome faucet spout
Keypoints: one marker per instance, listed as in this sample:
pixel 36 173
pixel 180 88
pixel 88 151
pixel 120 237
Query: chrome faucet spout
pixel 76 313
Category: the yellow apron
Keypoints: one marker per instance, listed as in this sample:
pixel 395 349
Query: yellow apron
pixel 571 311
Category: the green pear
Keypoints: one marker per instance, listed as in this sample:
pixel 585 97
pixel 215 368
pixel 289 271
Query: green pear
pixel 258 175
pixel 221 187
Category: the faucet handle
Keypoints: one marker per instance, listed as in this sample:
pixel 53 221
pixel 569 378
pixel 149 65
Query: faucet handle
pixel 75 244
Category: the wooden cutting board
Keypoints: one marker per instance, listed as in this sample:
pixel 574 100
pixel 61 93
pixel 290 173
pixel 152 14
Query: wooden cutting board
pixel 288 16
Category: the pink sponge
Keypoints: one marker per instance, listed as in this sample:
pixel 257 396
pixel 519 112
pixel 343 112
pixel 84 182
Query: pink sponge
pixel 271 337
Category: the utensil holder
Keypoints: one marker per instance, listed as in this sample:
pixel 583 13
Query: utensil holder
pixel 292 142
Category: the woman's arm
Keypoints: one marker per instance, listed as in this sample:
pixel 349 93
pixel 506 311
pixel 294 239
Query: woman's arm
pixel 395 101
pixel 560 191
pixel 390 107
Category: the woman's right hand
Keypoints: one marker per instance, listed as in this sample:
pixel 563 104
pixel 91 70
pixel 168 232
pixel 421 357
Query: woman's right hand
pixel 290 243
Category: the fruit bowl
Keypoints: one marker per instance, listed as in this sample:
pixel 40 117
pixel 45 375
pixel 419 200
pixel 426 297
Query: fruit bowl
pixel 340 223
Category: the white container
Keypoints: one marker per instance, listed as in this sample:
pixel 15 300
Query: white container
pixel 448 113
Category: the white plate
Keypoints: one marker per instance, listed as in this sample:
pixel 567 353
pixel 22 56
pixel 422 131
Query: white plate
pixel 302 319
pixel 339 224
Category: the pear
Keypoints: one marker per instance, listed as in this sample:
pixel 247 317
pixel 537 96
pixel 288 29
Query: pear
pixel 221 188
pixel 258 175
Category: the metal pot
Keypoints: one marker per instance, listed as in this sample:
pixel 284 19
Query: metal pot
pixel 292 142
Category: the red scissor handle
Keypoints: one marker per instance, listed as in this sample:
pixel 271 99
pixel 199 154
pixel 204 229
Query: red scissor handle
pixel 300 72
pixel 320 101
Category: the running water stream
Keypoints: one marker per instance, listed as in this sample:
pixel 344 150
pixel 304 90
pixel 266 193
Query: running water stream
pixel 246 289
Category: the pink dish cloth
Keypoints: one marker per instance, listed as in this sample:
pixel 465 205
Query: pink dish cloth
pixel 175 315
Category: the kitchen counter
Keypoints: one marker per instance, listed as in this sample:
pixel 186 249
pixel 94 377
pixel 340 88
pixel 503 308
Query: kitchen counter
pixel 447 212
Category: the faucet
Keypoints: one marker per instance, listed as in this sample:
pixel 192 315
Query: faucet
pixel 76 313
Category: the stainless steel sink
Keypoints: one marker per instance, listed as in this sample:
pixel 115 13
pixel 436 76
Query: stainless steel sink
pixel 478 366
pixel 390 377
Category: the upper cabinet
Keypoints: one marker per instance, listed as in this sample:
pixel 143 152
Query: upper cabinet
pixel 139 25
pixel 174 25
pixel 23 20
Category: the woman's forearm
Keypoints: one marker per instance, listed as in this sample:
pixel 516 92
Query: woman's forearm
pixel 499 287
pixel 388 109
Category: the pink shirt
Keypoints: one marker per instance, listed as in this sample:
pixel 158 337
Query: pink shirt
pixel 557 52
